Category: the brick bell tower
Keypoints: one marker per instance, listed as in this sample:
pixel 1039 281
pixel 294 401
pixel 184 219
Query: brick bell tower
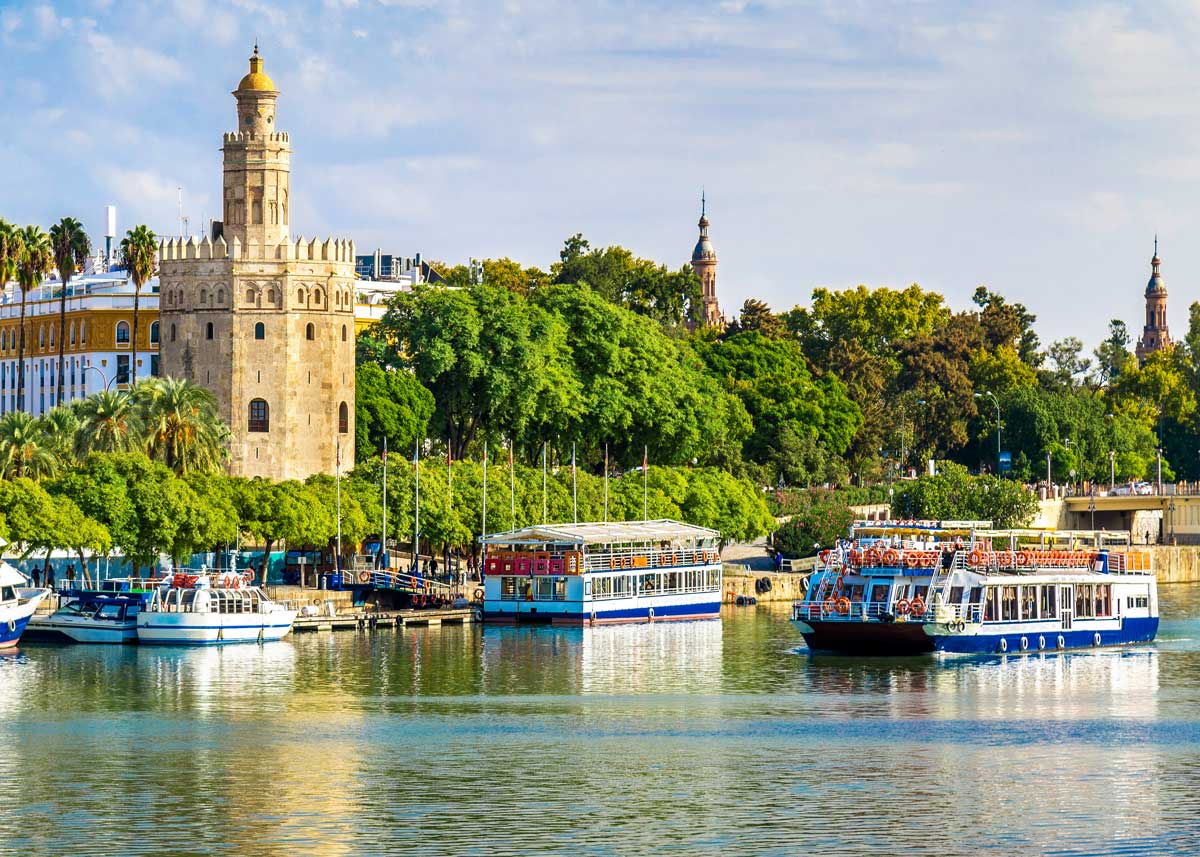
pixel 263 321
pixel 1155 335
pixel 704 263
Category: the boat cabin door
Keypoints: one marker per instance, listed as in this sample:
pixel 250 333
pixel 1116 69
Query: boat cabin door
pixel 1066 606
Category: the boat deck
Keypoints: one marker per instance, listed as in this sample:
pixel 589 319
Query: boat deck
pixel 367 620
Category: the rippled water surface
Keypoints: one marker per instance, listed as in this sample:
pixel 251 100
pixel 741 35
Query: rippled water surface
pixel 678 738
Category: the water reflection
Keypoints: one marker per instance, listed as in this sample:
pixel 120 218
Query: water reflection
pixel 699 737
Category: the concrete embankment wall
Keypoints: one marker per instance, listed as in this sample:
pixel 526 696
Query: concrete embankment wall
pixel 1176 564
pixel 785 586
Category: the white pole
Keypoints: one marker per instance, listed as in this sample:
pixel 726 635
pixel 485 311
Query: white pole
pixel 645 484
pixel 544 483
pixel 606 483
pixel 574 487
pixel 484 526
pixel 512 489
pixel 337 561
pixel 383 538
pixel 417 507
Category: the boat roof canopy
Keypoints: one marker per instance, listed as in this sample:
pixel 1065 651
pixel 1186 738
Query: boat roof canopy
pixel 923 527
pixel 9 576
pixel 663 530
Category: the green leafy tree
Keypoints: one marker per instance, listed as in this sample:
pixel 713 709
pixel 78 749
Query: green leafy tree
pixel 756 316
pixel 388 404
pixel 955 494
pixel 1067 365
pixel 71 248
pixel 813 528
pixel 1113 352
pixel 139 249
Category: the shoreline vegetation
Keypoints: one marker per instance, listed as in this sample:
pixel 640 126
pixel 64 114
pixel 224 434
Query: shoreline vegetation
pixel 604 354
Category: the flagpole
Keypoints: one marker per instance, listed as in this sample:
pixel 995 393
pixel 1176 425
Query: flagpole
pixel 645 484
pixel 417 507
pixel 606 483
pixel 574 486
pixel 383 538
pixel 484 528
pixel 543 483
pixel 512 489
pixel 337 562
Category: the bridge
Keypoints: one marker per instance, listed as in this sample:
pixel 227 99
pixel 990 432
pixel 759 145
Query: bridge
pixel 1169 517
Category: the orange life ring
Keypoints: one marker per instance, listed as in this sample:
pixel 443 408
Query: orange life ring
pixel 928 559
pixel 1023 559
pixel 855 557
pixel 828 606
pixel 912 559
pixel 479 594
pixel 843 606
pixel 364 576
pixel 975 559
pixel 824 557
pixel 890 557
pixel 872 556
pixel 917 606
pixel 902 607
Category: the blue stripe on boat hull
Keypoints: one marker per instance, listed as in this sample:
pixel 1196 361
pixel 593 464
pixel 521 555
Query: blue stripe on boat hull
pixel 9 638
pixel 1132 631
pixel 634 614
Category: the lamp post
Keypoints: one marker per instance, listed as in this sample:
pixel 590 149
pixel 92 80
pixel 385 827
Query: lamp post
pixel 1159 477
pixel 996 401
pixel 107 382
pixel 1112 470
pixel 1049 481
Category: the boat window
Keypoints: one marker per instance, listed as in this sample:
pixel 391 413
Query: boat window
pixel 1083 602
pixel 976 595
pixel 110 612
pixel 1029 602
pixel 1104 600
pixel 8 593
pixel 1049 609
pixel 956 594
pixel 856 592
pixel 991 611
pixel 508 587
pixel 879 592
pixel 1008 603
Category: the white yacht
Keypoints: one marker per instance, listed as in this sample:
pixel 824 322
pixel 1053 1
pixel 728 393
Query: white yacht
pixel 203 609
pixel 18 601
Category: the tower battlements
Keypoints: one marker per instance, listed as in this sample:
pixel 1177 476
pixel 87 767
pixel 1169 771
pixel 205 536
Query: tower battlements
pixel 314 250
pixel 251 137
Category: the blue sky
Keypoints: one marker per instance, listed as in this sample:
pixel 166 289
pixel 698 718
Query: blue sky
pixel 1032 149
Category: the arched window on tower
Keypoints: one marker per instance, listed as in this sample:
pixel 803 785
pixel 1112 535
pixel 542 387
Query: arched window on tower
pixel 208 330
pixel 343 419
pixel 317 297
pixel 154 333
pixel 310 331
pixel 260 416
pixel 343 333
pixel 122 333
pixel 300 296
pixel 260 331
pixel 203 296
pixel 249 296
pixel 172 332
pixel 72 333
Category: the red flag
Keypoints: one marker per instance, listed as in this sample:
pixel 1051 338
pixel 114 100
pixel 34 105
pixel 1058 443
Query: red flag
pixel 645 454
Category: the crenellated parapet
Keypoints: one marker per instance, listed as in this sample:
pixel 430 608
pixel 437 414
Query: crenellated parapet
pixel 330 250
pixel 250 137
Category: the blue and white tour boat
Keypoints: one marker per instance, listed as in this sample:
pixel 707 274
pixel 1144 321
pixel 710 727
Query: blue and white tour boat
pixel 202 609
pixel 590 574
pixel 907 587
pixel 18 602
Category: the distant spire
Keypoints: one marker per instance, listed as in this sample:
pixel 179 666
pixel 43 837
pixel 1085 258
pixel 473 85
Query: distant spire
pixel 256 45
pixel 702 207
pixel 1155 243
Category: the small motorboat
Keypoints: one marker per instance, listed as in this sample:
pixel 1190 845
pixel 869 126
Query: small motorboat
pixel 211 608
pixel 88 618
pixel 18 602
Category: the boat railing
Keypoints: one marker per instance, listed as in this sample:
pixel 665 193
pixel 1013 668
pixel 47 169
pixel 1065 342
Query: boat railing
pixel 642 558
pixel 831 610
pixel 402 581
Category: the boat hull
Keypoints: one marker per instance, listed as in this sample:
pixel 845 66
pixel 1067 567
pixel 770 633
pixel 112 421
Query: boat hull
pixel 212 629
pixel 866 638
pixel 14 617
pixel 536 613
pixel 47 629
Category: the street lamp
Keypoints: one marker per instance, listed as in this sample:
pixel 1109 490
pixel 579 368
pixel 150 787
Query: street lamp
pixel 1112 470
pixel 1049 482
pixel 107 382
pixel 1159 487
pixel 992 395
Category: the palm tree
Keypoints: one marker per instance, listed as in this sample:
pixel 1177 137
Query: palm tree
pixel 10 252
pixel 23 448
pixel 71 248
pixel 107 423
pixel 32 266
pixel 60 426
pixel 182 428
pixel 139 247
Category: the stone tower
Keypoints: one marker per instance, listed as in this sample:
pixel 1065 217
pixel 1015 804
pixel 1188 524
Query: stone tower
pixel 264 322
pixel 704 263
pixel 1155 335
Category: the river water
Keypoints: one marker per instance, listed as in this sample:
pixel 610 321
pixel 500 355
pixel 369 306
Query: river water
pixel 691 738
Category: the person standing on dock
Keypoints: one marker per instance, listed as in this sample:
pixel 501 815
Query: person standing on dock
pixel 49 575
pixel 37 577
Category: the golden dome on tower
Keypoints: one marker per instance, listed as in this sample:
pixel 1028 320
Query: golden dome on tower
pixel 257 80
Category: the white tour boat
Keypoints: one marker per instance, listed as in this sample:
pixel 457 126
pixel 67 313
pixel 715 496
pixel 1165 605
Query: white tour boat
pixel 201 609
pixel 18 601
pixel 632 571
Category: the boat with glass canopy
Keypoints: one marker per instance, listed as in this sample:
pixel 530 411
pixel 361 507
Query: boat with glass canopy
pixel 905 587
pixel 632 571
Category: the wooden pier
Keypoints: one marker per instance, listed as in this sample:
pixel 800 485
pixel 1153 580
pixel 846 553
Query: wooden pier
pixel 367 620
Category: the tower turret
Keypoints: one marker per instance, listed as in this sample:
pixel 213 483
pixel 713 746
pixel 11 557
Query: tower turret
pixel 1155 335
pixel 704 263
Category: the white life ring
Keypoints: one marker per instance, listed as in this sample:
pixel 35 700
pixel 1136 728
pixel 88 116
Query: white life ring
pixel 1024 644
pixel 651 614
pixel 1041 642
pixel 1096 639
pixel 1003 645
pixel 1062 644
pixel 12 626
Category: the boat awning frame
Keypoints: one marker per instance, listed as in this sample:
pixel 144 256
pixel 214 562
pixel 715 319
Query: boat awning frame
pixel 613 532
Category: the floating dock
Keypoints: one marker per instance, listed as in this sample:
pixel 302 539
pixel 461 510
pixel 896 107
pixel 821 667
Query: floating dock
pixel 368 620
